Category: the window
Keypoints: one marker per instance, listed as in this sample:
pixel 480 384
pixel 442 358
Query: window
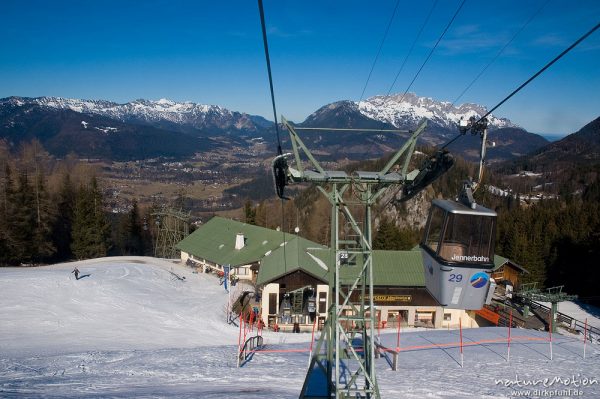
pixel 322 302
pixel 468 239
pixel 434 228
pixel 272 303
pixel 447 316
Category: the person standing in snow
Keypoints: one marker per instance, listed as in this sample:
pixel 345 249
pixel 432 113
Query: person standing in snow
pixel 76 272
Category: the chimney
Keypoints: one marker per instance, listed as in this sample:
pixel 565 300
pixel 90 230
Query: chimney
pixel 239 241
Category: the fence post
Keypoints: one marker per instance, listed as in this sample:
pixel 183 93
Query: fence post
pixel 398 339
pixel 461 343
pixel 239 342
pixel 550 332
pixel 509 327
pixel 584 337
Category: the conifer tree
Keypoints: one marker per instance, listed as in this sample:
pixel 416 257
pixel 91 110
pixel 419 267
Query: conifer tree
pixel 249 213
pixel 22 221
pixel 42 245
pixel 91 230
pixel 6 194
pixel 129 236
pixel 391 238
pixel 63 224
pixel 261 214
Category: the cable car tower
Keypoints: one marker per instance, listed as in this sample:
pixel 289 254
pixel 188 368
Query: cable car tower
pixel 529 293
pixel 172 226
pixel 344 355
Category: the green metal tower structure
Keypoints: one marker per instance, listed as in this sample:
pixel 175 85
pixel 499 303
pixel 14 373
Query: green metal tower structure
pixel 554 295
pixel 342 365
pixel 172 227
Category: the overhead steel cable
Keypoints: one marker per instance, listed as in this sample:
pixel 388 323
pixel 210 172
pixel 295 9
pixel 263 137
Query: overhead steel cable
pixel 412 47
pixel 279 150
pixel 433 49
pixel 387 29
pixel 430 52
pixel 531 18
pixel 268 59
pixel 404 63
pixel 426 59
pixel 538 73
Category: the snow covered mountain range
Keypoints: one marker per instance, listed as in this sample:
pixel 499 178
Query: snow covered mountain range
pixel 161 113
pixel 396 110
pixel 51 119
pixel 405 112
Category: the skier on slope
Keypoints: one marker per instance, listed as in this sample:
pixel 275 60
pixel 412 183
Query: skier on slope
pixel 76 272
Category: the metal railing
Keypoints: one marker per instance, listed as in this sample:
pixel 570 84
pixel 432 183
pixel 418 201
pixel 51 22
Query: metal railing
pixel 593 333
pixel 250 346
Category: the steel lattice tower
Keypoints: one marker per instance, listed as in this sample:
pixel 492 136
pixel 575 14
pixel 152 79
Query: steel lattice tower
pixel 172 227
pixel 345 353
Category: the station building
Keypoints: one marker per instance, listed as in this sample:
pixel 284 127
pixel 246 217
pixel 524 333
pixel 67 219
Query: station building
pixel 291 277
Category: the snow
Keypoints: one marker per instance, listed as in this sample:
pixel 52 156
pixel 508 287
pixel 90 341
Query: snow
pixel 198 115
pixel 399 110
pixel 499 191
pixel 579 311
pixel 130 329
pixel 526 173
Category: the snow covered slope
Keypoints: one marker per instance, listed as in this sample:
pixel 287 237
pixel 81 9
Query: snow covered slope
pixel 124 303
pixel 130 329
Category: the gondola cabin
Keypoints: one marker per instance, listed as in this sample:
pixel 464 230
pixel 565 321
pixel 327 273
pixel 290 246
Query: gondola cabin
pixel 458 254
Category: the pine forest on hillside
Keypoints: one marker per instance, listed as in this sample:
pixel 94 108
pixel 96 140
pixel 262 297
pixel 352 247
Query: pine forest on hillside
pixel 53 211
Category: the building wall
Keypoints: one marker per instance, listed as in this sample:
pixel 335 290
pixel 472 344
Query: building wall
pixel 243 272
pixel 184 257
pixel 269 319
pixel 506 272
pixel 272 288
pixel 387 314
pixel 423 315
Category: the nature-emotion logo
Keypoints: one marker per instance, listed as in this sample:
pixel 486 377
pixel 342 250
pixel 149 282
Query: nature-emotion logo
pixel 479 280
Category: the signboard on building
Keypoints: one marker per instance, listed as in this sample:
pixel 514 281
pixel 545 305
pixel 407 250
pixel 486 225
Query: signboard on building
pixel 390 298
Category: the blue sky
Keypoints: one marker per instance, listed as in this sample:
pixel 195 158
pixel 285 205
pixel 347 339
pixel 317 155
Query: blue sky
pixel 321 51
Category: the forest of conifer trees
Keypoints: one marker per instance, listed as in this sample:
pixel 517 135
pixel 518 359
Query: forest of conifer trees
pixel 53 210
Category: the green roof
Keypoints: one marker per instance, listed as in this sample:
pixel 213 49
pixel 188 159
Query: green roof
pixel 392 268
pixel 499 261
pixel 215 242
pixel 299 254
pixel 398 268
